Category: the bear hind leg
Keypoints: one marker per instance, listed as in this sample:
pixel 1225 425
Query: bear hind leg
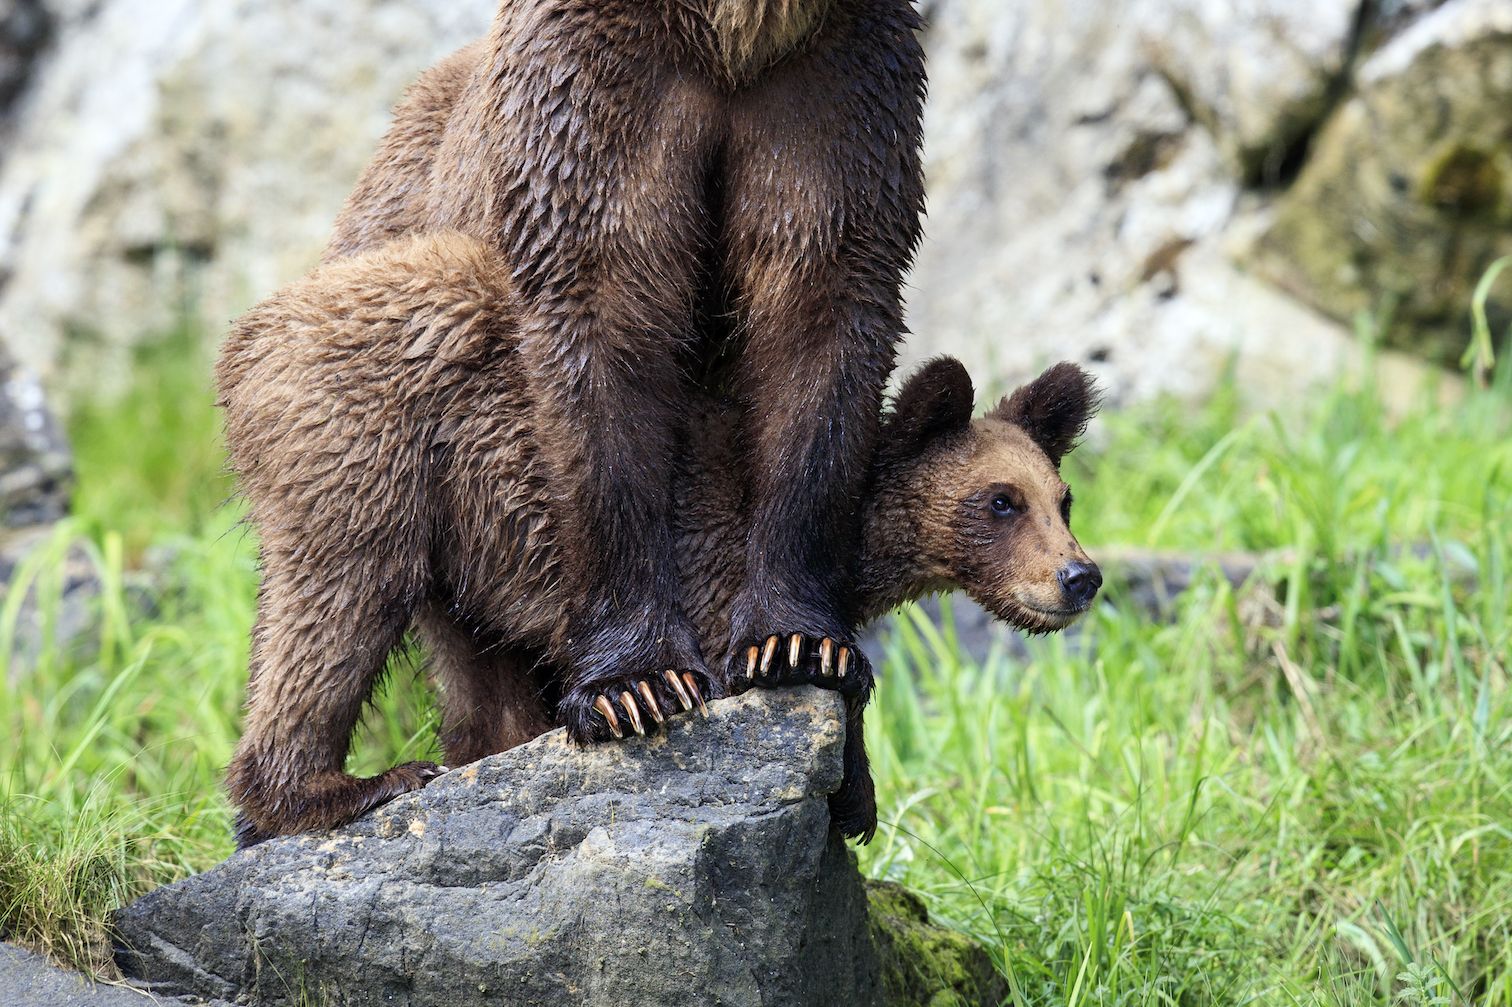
pixel 316 659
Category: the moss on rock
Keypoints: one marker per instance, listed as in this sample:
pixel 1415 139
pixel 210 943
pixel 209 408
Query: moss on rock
pixel 1464 180
pixel 924 965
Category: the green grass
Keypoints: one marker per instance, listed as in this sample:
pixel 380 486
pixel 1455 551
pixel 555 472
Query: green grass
pixel 1296 793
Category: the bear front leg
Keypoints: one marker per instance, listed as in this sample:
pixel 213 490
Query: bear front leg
pixel 825 192
pixel 604 226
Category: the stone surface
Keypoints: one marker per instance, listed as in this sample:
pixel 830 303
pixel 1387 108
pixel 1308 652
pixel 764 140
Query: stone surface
pixel 697 868
pixel 36 477
pixel 25 26
pixel 36 468
pixel 1077 211
pixel 29 980
pixel 1407 197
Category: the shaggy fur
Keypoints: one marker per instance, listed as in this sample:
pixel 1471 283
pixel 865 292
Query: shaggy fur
pixel 688 198
pixel 387 428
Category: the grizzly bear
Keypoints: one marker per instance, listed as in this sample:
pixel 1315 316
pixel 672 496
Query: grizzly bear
pixel 387 431
pixel 689 198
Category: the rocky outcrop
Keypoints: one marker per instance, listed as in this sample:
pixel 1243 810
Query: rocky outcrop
pixel 1258 75
pixel 695 868
pixel 1099 170
pixel 36 469
pixel 1098 174
pixel 36 479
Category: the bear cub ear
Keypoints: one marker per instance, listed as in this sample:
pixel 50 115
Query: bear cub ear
pixel 937 399
pixel 1053 409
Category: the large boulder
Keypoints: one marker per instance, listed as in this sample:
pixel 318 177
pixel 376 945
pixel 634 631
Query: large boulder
pixel 1407 197
pixel 693 868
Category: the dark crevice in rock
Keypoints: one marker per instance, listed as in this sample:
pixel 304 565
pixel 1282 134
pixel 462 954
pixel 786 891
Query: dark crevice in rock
pixel 1279 168
pixel 26 31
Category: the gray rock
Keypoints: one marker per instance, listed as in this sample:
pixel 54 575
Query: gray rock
pixel 697 868
pixel 36 477
pixel 25 26
pixel 36 468
pixel 29 980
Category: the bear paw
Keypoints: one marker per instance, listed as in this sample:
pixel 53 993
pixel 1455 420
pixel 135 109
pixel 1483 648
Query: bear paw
pixel 608 709
pixel 799 659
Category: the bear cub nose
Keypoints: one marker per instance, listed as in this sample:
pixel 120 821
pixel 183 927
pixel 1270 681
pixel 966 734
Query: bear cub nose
pixel 1080 581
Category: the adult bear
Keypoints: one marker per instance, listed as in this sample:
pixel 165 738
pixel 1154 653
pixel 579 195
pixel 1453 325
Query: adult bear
pixel 691 197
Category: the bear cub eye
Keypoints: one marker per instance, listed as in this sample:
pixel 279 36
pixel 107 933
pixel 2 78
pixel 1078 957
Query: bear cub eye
pixel 1002 506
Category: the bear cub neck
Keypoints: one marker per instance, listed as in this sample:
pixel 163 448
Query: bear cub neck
pixel 752 34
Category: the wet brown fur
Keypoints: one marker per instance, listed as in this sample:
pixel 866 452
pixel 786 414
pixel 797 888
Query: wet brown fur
pixel 387 430
pixel 688 198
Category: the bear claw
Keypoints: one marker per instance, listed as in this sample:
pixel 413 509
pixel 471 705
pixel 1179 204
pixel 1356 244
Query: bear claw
pixel 677 687
pixel 633 712
pixel 640 700
pixel 650 700
pixel 697 696
pixel 603 706
pixel 828 663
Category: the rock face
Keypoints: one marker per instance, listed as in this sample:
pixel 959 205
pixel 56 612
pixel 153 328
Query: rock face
pixel 1408 193
pixel 173 157
pixel 1099 170
pixel 1257 74
pixel 697 868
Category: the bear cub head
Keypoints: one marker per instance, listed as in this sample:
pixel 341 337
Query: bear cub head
pixel 982 502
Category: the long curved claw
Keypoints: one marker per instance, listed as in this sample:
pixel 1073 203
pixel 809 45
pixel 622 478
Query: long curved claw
pixel 845 656
pixel 603 706
pixel 677 687
pixel 693 688
pixel 650 700
pixel 767 653
pixel 795 647
pixel 752 656
pixel 633 712
pixel 827 658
